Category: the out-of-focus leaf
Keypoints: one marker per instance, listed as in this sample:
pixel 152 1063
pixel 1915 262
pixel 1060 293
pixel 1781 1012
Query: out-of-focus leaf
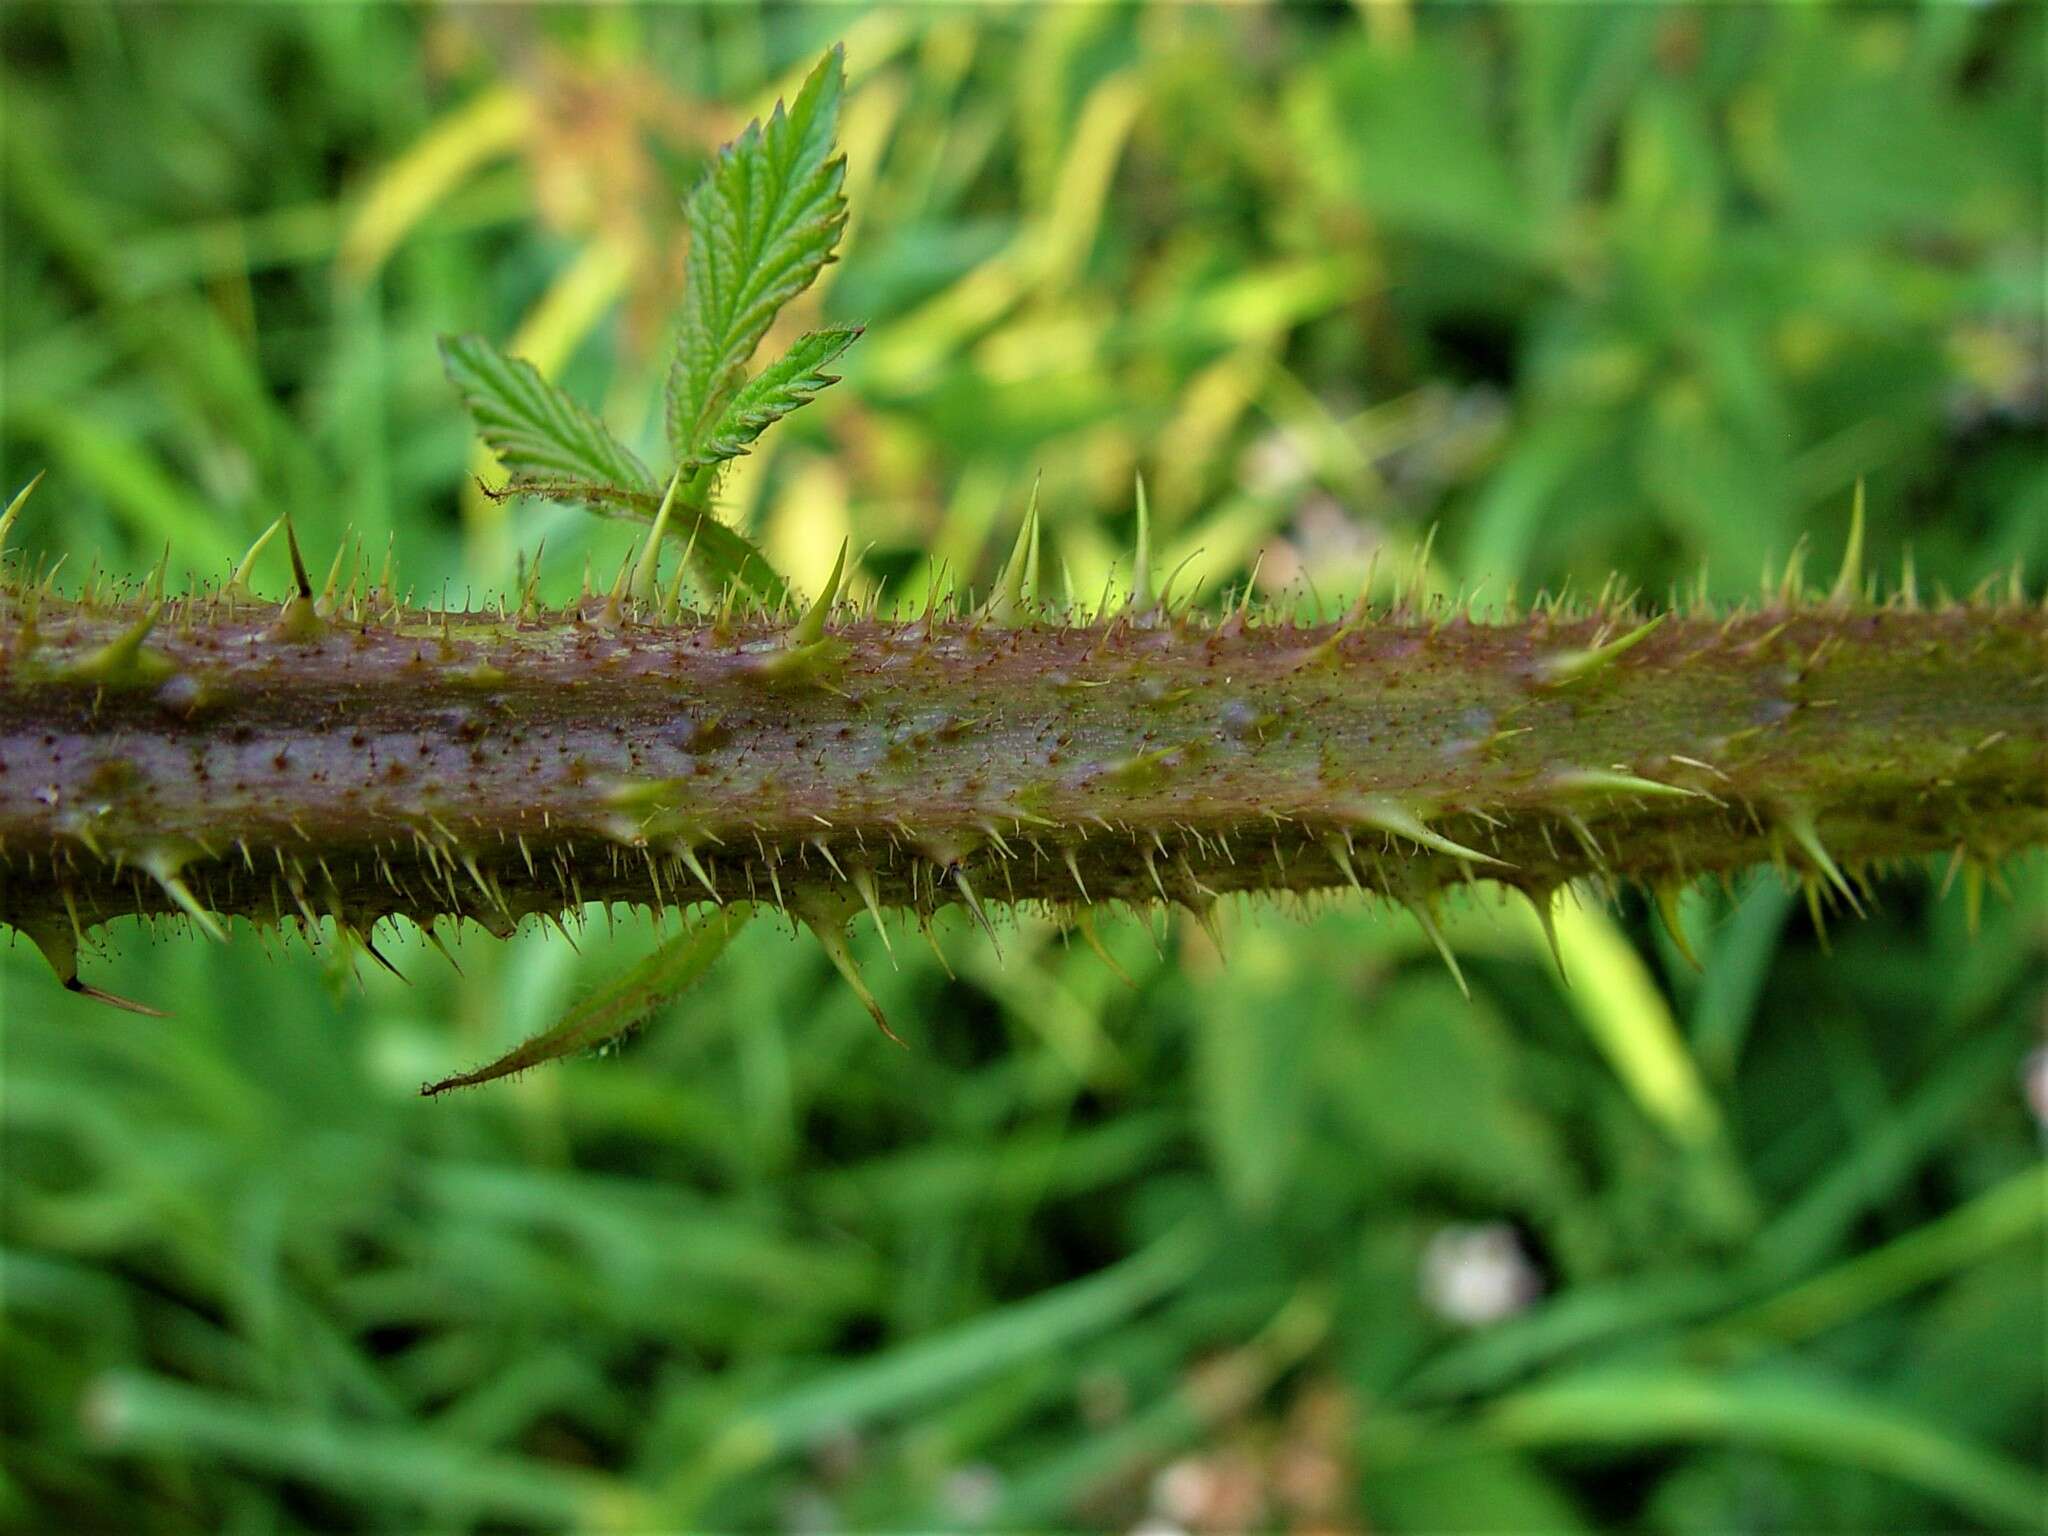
pixel 1792 1414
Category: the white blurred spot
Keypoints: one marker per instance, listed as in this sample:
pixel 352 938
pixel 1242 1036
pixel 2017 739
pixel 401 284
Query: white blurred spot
pixel 971 1493
pixel 1475 1275
pixel 1183 1490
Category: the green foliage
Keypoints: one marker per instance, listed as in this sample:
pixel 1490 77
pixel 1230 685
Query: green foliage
pixel 762 226
pixel 782 386
pixel 1081 1233
pixel 551 445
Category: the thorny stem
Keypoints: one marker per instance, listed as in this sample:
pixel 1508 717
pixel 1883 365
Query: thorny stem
pixel 212 755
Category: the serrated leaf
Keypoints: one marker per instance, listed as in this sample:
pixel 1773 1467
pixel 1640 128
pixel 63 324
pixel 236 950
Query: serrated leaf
pixel 763 224
pixel 555 450
pixel 776 390
pixel 539 434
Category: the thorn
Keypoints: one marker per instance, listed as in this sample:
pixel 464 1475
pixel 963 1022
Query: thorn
pixel 1667 893
pixel 646 574
pixel 14 507
pixel 825 849
pixel 529 591
pixel 1814 911
pixel 829 926
pixel 1573 666
pixel 59 947
pixel 1152 869
pixel 1849 584
pixel 931 938
pixel 299 578
pixel 974 905
pixel 162 867
pixel 297 619
pixel 1074 869
pixel 1607 781
pixel 1141 574
pixel 114 999
pixel 1387 814
pixel 1798 825
pixel 369 948
pixel 1006 604
pixel 124 661
pixel 329 587
pixel 1084 923
pixel 810 629
pixel 1542 904
pixel 1204 914
pixel 153 588
pixel 1339 849
pixel 614 611
pixel 1428 923
pixel 434 938
pixel 864 882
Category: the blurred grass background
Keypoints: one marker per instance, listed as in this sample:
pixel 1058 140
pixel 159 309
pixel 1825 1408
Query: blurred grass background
pixel 1301 1241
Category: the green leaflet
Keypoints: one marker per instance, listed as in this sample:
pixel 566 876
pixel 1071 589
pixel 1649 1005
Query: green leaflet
pixel 555 450
pixel 607 1015
pixel 550 445
pixel 763 224
pixel 776 390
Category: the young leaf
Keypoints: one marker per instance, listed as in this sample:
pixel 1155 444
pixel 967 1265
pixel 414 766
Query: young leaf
pixel 611 1012
pixel 542 436
pixel 555 450
pixel 763 224
pixel 776 390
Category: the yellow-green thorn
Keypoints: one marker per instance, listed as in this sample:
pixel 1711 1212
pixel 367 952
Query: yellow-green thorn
pixel 14 508
pixel 238 584
pixel 1426 920
pixel 829 926
pixel 647 571
pixel 974 906
pixel 1204 913
pixel 1666 894
pixel 1084 924
pixel 162 866
pixel 1573 666
pixel 1141 573
pixel 810 629
pixel 124 661
pixel 1609 781
pixel 325 603
pixel 1006 605
pixel 1339 849
pixel 863 881
pixel 1798 825
pixel 153 588
pixel 529 590
pixel 1849 583
pixel 688 855
pixel 1543 904
pixel 1074 869
pixel 1386 814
